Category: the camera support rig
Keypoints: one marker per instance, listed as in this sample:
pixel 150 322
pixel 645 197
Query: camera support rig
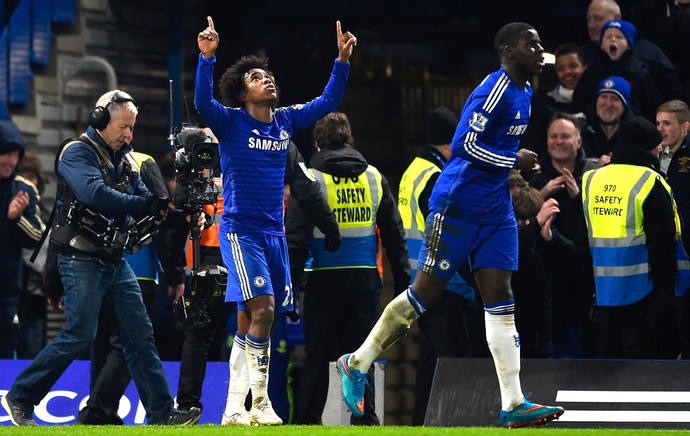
pixel 207 284
pixel 196 162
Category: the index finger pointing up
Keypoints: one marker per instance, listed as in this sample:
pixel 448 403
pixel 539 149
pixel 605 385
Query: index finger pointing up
pixel 210 22
pixel 338 32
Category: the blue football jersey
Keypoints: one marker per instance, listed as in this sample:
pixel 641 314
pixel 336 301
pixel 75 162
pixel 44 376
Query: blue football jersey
pixel 253 153
pixel 473 186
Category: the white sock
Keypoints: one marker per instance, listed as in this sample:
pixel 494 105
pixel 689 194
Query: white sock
pixel 258 358
pixel 393 324
pixel 504 343
pixel 238 388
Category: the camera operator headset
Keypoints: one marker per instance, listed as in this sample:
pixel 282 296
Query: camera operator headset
pixel 99 204
pixel 114 191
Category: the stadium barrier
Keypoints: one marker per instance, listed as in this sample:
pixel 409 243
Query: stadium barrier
pixel 595 393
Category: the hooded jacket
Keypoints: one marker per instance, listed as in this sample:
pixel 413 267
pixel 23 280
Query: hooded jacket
pixel 658 214
pixel 23 232
pixel 348 162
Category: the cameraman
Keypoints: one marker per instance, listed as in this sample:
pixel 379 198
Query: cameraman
pixel 208 315
pixel 109 374
pixel 198 340
pixel 96 184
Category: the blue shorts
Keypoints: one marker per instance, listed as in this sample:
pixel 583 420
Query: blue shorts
pixel 257 264
pixel 449 242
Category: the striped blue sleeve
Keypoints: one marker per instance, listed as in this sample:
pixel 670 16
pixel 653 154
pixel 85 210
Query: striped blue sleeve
pixel 479 138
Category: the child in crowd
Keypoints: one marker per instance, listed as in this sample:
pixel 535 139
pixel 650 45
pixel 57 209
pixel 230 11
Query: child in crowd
pixel 531 282
pixel 616 58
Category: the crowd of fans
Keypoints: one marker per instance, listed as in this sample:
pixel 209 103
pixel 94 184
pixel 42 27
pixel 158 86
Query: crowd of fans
pixel 575 127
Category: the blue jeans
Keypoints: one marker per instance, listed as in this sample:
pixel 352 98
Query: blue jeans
pixel 90 284
pixel 9 328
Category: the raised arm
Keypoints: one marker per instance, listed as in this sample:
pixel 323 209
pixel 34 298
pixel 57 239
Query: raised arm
pixel 208 40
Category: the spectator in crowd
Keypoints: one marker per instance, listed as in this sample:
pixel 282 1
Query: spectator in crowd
pixel 663 72
pixel 617 59
pixel 444 328
pixel 673 123
pixel 515 181
pixel 571 264
pixel 531 282
pixel 634 238
pixel 604 118
pixel 20 227
pixel 569 65
pixel 33 302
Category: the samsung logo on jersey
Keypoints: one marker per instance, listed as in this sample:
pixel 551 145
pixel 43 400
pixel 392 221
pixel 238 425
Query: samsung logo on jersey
pixel 517 130
pixel 268 144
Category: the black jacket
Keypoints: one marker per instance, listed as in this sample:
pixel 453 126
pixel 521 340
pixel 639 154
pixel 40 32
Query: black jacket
pixel 594 141
pixel 570 261
pixel 644 93
pixel 661 68
pixel 348 162
pixel 23 232
pixel 678 177
pixel 658 223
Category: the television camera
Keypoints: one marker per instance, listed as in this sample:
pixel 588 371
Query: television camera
pixel 196 163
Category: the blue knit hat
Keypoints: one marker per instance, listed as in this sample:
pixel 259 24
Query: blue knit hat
pixel 626 27
pixel 617 85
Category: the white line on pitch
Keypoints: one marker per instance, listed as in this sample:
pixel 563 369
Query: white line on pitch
pixel 623 396
pixel 624 416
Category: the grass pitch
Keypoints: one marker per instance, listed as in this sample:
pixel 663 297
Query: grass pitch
pixel 302 430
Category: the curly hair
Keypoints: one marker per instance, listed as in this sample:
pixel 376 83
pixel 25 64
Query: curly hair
pixel 333 131
pixel 232 81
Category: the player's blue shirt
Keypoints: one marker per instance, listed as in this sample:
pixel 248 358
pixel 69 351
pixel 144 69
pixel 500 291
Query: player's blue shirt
pixel 473 186
pixel 253 153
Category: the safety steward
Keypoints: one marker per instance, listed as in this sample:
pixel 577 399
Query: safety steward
pixel 342 290
pixel 635 240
